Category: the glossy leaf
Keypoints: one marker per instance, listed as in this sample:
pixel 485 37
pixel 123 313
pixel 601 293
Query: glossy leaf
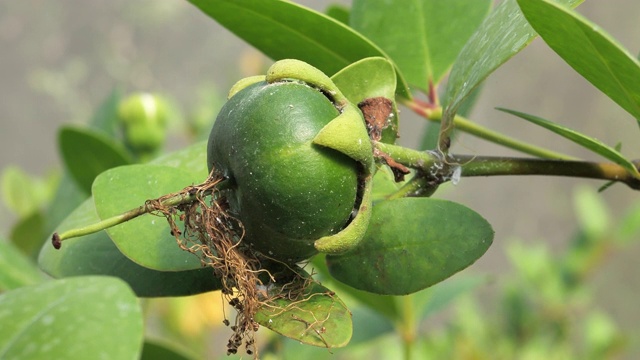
pixel 423 37
pixel 285 30
pixel 157 349
pixel 146 240
pixel 502 35
pixel 593 53
pixel 77 318
pixel 320 319
pixel 370 78
pixel 86 153
pixel 191 160
pixel 191 163
pixel 16 270
pixel 384 305
pixel 96 254
pixel 411 244
pixel 585 141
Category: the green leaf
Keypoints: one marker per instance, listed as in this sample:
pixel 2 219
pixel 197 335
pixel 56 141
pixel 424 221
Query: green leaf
pixel 592 213
pixel 22 193
pixel 16 270
pixel 157 349
pixel 502 35
pixel 435 299
pixel 589 50
pixel 320 319
pixel 191 163
pixel 370 78
pixel 86 153
pixel 96 254
pixel 338 12
pixel 423 37
pixel 585 141
pixel 411 244
pixel 628 229
pixel 67 197
pixel 78 318
pixel 284 30
pixel 192 160
pixel 430 136
pixel 27 234
pixel 383 305
pixel 105 118
pixel 368 324
pixel 146 240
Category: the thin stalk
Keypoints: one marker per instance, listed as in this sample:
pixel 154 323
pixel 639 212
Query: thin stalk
pixel 415 159
pixel 175 200
pixel 491 166
pixel 118 219
pixel 407 326
pixel 435 114
pixel 431 164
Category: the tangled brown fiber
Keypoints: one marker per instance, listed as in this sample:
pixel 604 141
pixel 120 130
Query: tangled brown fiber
pixel 211 233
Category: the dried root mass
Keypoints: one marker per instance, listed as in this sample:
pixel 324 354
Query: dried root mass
pixel 215 236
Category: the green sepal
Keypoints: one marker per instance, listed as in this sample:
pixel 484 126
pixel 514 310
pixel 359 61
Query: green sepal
pixel 291 69
pixel 348 135
pixel 243 83
pixel 368 78
pixel 350 236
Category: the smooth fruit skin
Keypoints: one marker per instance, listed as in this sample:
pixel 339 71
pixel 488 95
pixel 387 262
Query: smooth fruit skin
pixel 287 191
pixel 144 118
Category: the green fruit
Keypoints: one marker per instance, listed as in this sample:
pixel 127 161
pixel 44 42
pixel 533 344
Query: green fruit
pixel 144 120
pixel 145 138
pixel 286 190
pixel 143 108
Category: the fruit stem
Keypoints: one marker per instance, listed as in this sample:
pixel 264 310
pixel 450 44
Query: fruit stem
pixel 490 166
pixel 434 113
pixel 433 166
pixel 182 197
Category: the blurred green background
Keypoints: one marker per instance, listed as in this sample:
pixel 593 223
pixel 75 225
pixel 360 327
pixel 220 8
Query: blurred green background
pixel 59 60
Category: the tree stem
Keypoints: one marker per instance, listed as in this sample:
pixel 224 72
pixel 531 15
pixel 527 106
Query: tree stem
pixel 432 165
pixel 490 166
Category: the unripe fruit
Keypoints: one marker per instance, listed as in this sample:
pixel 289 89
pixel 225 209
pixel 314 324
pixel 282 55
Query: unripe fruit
pixel 286 190
pixel 144 120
